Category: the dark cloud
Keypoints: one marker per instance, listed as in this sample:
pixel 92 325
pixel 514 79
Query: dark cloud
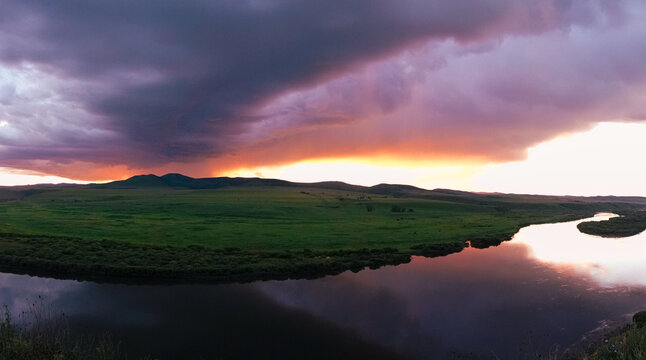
pixel 169 80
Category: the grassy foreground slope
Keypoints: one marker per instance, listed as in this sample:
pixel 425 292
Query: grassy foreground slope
pixel 221 229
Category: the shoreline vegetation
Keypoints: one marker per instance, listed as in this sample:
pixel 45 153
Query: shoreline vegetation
pixel 168 229
pixel 45 335
pixel 628 343
pixel 628 224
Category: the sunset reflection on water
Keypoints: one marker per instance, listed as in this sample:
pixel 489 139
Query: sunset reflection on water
pixel 609 261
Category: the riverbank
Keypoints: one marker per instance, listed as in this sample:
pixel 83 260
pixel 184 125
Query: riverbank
pixel 628 343
pixel 50 338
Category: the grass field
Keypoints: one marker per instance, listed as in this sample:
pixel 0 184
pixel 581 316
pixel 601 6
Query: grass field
pixel 253 231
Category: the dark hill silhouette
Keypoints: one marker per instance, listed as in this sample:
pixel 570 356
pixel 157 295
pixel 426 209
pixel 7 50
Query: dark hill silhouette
pixel 135 182
pixel 179 181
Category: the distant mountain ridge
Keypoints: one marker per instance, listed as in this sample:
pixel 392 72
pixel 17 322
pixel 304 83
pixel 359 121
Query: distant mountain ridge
pixel 179 181
pixel 174 181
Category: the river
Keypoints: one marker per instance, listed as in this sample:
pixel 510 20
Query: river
pixel 549 287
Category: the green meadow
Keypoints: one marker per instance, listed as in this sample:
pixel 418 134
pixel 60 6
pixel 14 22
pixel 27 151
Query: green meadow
pixel 255 231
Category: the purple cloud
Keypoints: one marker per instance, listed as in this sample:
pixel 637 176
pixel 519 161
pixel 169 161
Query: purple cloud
pixel 150 83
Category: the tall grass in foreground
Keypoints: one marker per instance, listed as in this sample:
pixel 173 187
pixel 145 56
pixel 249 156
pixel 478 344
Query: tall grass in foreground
pixel 43 335
pixel 630 344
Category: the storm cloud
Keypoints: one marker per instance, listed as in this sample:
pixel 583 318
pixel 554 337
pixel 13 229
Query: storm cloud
pixel 150 83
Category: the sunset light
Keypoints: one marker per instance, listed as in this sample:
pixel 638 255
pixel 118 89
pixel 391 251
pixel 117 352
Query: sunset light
pixel 563 166
pixel 473 106
pixel 323 179
pixel 9 177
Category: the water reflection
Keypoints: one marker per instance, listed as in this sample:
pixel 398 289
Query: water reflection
pixel 609 261
pixel 193 321
pixel 17 291
pixel 496 302
pixel 507 302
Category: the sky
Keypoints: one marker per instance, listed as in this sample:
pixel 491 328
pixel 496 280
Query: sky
pixel 543 96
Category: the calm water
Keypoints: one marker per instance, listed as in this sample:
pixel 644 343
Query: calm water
pixel 547 288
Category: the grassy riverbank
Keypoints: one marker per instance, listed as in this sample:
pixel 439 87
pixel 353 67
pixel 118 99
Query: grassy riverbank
pixel 177 228
pixel 631 223
pixel 628 344
pixel 50 338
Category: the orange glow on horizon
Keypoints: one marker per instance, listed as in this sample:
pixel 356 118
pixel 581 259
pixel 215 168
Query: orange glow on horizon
pixel 595 162
pixel 368 172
